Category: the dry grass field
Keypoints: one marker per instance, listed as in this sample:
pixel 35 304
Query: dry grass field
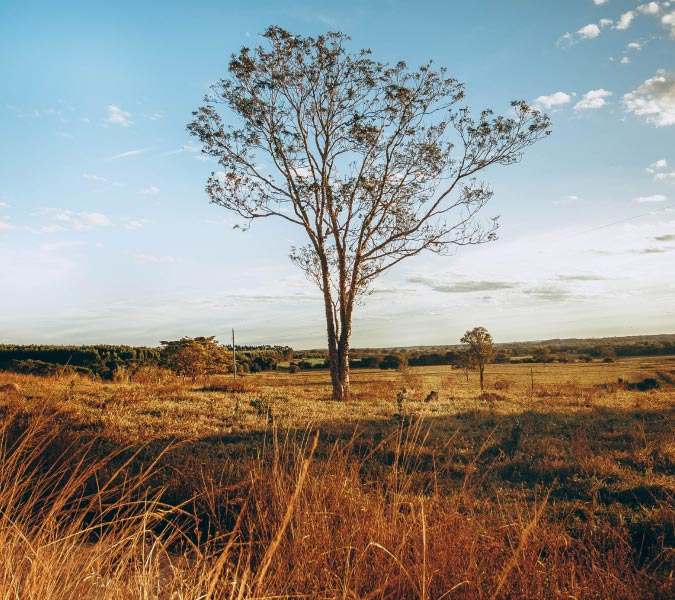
pixel 557 482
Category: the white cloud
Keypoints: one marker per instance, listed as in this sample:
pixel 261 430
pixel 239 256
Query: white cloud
pixel 117 116
pixel 96 178
pixel 190 148
pixel 128 153
pixel 4 225
pixel 85 220
pixel 668 21
pixel 648 199
pixel 651 8
pixel 4 205
pixel 654 99
pixel 149 191
pixel 557 99
pixel 55 246
pixel 665 176
pixel 634 46
pixel 592 100
pixel 589 32
pixel 78 220
pixel 600 2
pixel 625 20
pixel 144 259
pixel 135 224
pixel 659 165
pixel 625 60
pixel 46 229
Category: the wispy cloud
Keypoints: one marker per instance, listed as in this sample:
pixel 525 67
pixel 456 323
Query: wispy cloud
pixel 648 199
pixel 81 220
pixel 582 278
pixel 129 153
pixel 669 237
pixel 135 224
pixel 46 229
pixel 462 287
pixel 4 205
pixel 5 226
pixel 117 116
pixel 144 259
pixel 651 251
pixel 56 246
pixel 549 293
pixel 149 191
pixel 96 178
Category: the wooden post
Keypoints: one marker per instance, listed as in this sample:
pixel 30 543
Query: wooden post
pixel 234 358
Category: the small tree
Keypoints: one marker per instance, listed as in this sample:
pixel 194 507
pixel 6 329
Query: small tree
pixel 374 163
pixel 193 357
pixel 464 361
pixel 480 349
pixel 542 354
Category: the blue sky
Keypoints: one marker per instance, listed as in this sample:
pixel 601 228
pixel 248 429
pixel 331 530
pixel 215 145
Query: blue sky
pixel 107 235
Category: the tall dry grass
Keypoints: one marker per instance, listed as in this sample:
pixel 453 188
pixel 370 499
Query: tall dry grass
pixel 303 520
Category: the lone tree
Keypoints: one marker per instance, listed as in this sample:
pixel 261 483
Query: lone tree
pixel 542 354
pixel 193 357
pixel 375 162
pixel 480 350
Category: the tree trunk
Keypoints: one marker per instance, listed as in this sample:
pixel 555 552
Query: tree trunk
pixel 481 368
pixel 338 353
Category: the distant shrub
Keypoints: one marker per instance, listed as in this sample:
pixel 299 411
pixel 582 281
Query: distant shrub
pixel 393 361
pixel 232 387
pixel 36 367
pixel 649 383
pixel 151 373
pixel 491 397
pixel 293 368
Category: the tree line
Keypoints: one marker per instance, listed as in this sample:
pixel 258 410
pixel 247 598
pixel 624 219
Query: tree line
pixel 188 357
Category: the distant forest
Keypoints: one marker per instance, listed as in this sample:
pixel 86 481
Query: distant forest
pixel 109 361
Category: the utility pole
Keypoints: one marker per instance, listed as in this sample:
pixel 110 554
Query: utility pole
pixel 234 358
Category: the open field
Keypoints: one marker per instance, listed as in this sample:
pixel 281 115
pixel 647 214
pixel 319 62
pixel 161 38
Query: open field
pixel 556 483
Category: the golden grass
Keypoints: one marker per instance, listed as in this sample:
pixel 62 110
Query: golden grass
pixel 560 489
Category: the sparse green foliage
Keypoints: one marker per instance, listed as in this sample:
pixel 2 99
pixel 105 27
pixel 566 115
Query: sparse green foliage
pixel 480 349
pixel 375 163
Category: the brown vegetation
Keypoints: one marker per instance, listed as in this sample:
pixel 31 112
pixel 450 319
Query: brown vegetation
pixel 559 483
